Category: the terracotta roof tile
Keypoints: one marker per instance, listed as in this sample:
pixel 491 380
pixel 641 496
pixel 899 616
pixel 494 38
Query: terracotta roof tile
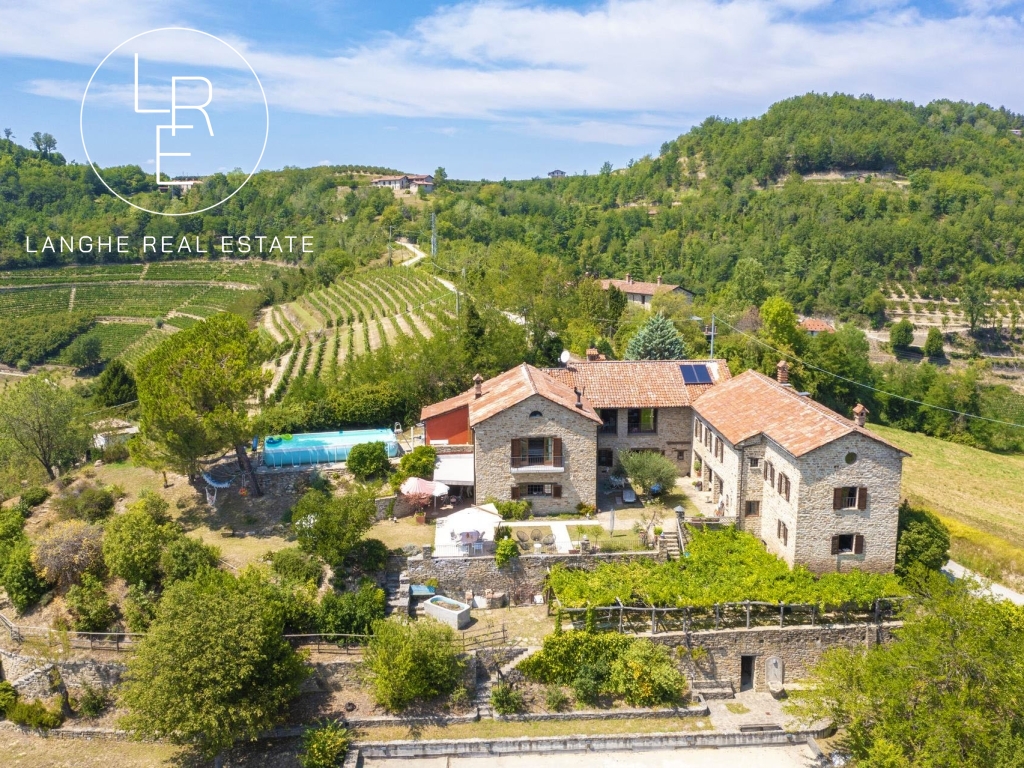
pixel 637 383
pixel 753 404
pixel 814 325
pixel 508 389
pixel 637 286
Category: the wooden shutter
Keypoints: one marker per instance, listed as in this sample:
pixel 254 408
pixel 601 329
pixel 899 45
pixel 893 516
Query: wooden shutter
pixel 515 451
pixel 837 498
pixel 515 492
pixel 862 498
pixel 835 545
pixel 556 491
pixel 785 535
pixel 556 451
pixel 778 529
pixel 858 545
pixel 764 470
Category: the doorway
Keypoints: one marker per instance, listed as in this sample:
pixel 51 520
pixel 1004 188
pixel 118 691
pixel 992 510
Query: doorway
pixel 746 673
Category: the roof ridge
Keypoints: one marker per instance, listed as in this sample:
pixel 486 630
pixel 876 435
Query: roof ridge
pixel 525 367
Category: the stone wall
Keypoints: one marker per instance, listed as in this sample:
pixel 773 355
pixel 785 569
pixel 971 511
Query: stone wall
pixel 30 676
pixel 522 580
pixel 800 648
pixel 674 434
pixel 578 476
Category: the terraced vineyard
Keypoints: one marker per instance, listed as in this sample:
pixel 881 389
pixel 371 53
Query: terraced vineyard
pixel 362 312
pixel 115 338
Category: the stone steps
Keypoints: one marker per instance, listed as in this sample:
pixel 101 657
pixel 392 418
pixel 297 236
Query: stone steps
pixel 524 653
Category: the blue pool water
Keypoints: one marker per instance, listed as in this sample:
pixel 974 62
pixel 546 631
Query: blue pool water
pixel 322 447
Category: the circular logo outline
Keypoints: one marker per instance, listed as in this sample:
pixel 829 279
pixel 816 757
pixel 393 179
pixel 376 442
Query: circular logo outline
pixel 81 121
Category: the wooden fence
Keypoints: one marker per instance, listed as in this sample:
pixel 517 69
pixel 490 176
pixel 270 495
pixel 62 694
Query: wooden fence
pixel 746 615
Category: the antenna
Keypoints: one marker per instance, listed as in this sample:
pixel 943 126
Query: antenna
pixel 564 357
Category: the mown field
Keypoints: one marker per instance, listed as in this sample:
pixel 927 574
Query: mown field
pixel 978 494
pixel 355 314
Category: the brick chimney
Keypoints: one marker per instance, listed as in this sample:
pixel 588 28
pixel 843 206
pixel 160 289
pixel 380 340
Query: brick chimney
pixel 628 278
pixel 593 354
pixel 782 372
pixel 478 385
pixel 659 279
pixel 860 414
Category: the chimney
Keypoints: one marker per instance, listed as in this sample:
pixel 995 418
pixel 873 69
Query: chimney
pixel 628 278
pixel 860 414
pixel 478 388
pixel 593 354
pixel 782 372
pixel 579 397
pixel 659 279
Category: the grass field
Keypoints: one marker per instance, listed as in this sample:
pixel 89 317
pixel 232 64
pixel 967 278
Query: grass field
pixel 979 495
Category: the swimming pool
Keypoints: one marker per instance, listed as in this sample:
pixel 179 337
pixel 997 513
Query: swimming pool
pixel 322 447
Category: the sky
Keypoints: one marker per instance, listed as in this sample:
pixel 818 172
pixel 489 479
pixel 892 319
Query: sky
pixel 491 89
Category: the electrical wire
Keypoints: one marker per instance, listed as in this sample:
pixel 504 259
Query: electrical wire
pixel 862 384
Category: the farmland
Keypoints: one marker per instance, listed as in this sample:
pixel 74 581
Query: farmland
pixel 361 312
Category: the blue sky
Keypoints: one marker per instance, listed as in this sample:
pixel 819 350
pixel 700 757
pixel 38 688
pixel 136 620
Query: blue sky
pixel 514 89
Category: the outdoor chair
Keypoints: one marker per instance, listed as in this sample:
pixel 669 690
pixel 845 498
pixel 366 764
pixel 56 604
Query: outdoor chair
pixel 536 535
pixel 548 540
pixel 522 536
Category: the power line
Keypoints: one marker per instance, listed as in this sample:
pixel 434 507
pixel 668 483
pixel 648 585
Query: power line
pixel 868 386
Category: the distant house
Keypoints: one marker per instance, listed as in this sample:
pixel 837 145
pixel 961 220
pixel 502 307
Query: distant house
pixel 112 432
pixel 1015 131
pixel 641 293
pixel 412 182
pixel 814 326
pixel 556 175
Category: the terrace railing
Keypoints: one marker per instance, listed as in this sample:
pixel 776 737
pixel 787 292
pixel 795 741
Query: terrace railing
pixel 92 641
pixel 629 619
pixel 329 642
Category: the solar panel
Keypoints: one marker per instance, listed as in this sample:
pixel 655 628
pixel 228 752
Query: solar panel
pixel 695 373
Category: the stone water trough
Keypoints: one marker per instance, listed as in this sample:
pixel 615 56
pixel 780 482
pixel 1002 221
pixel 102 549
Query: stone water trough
pixel 451 612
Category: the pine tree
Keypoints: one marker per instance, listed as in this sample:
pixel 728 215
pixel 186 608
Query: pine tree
pixel 657 339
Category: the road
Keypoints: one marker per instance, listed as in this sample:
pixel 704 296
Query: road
pixel 957 571
pixel 420 255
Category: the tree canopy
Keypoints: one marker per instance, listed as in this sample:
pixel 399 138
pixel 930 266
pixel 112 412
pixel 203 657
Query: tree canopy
pixel 657 339
pixel 41 418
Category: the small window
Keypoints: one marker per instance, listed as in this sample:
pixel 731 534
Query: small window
pixel 769 473
pixel 850 497
pixel 539 489
pixel 784 485
pixel 782 532
pixel 755 462
pixel 536 415
pixel 609 421
pixel 848 544
pixel 681 455
pixel 753 508
pixel 851 457
pixel 605 457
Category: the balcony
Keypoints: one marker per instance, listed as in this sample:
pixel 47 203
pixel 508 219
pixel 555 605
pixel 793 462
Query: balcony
pixel 525 464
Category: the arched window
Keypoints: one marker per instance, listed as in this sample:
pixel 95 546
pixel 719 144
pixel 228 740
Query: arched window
pixel 536 415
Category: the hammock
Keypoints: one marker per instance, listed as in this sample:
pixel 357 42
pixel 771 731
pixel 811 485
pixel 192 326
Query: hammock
pixel 216 483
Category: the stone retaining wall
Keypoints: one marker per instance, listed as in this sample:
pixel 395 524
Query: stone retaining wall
pixel 30 675
pixel 698 710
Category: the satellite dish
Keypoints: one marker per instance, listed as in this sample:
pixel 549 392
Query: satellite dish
pixel 564 357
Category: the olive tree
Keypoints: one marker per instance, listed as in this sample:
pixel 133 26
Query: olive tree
pixel 40 418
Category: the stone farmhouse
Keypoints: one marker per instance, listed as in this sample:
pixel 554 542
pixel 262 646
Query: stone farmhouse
pixel 817 488
pixel 641 293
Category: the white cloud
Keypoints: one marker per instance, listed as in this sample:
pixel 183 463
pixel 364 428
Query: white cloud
pixel 620 72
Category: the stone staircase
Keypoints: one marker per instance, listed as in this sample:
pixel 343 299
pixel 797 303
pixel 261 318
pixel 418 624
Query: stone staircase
pixel 713 689
pixel 396 587
pixel 670 544
pixel 482 700
pixel 521 655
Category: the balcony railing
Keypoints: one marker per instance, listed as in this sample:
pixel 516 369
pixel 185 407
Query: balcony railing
pixel 537 462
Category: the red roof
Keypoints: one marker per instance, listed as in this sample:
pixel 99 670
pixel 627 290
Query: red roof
pixel 753 404
pixel 637 383
pixel 814 325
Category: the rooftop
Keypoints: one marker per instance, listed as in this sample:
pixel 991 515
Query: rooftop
pixel 639 383
pixel 637 286
pixel 753 404
pixel 815 325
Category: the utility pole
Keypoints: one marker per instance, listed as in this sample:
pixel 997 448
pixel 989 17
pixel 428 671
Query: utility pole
pixel 712 357
pixel 389 245
pixel 433 235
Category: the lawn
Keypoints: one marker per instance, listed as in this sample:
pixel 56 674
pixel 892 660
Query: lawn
pixel 978 494
pixel 405 531
pixel 622 540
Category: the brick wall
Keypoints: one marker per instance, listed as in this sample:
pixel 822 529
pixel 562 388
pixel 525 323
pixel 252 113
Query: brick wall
pixel 578 477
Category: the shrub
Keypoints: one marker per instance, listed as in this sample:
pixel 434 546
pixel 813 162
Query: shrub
pixel 506 700
pixel 8 697
pixel 921 539
pixel 18 575
pixel 292 564
pixel 33 497
pixel 648 469
pixel 555 698
pixel 331 526
pixel 505 552
pixel 93 701
pixel 184 557
pixel 35 715
pixel 115 454
pixel 154 505
pixel 139 607
pixel 67 550
pixel 587 684
pixel 512 510
pixel 901 335
pixel 368 460
pixel 933 344
pixel 367 556
pixel 420 462
pixel 407 663
pixel 325 746
pixel 133 544
pixel 89 605
pixel 94 504
pixel 645 676
pixel 351 613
